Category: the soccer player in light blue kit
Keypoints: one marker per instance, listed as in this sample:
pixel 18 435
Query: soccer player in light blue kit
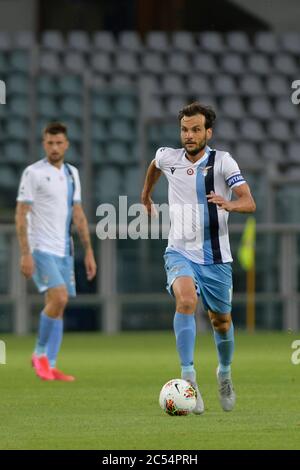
pixel 198 258
pixel 49 199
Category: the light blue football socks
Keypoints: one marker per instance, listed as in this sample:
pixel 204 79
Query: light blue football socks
pixel 45 328
pixel 225 348
pixel 185 333
pixel 55 341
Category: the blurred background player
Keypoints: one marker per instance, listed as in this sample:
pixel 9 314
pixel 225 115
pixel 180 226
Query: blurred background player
pixel 202 179
pixel 49 200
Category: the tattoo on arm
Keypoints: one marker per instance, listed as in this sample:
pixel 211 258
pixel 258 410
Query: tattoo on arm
pixel 81 224
pixel 21 227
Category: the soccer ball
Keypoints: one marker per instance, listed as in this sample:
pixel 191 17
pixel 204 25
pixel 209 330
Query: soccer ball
pixel 177 397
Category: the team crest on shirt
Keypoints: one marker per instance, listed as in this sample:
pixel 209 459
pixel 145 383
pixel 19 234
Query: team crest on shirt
pixel 190 171
pixel 205 170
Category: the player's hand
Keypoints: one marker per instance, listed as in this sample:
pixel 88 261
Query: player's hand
pixel 149 206
pixel 27 266
pixel 220 201
pixel 90 265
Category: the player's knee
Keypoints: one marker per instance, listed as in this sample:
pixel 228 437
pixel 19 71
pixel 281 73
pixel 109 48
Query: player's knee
pixel 221 325
pixel 186 303
pixel 60 300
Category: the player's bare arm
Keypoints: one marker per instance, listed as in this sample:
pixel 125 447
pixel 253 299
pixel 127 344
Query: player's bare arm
pixel 26 262
pixel 243 203
pixel 152 176
pixel 80 221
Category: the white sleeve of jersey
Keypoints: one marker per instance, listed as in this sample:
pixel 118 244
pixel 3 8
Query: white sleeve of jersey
pixel 77 192
pixel 232 173
pixel 161 157
pixel 27 187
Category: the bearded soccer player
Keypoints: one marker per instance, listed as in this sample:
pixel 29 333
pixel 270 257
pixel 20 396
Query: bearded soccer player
pixel 198 258
pixel 49 199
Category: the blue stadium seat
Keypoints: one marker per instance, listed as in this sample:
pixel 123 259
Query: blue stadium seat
pixel 104 41
pixel 53 40
pixel 46 85
pixel 130 41
pixel 101 106
pixel 224 85
pixel 99 131
pixel 266 42
pixel 15 152
pixel 258 64
pixel 238 41
pixel 260 108
pixel 79 40
pixel 212 42
pixel 197 83
pixel 179 62
pixel 277 85
pixel 8 178
pixel 233 63
pixel 18 129
pixel 290 42
pixel 153 63
pixel 286 109
pixel 121 129
pixel 279 130
pixel 285 64
pixel 50 62
pixel 3 63
pixel 17 84
pixel 173 84
pixel 101 62
pixel 183 41
pixel 127 62
pixel 251 129
pixel 70 85
pixel 24 40
pixel 75 62
pixel 226 129
pixel 5 41
pixel 205 63
pixel 126 106
pixel 251 85
pixel 232 107
pixel 157 41
pixel 19 61
pixel 271 151
pixel 123 82
pixel 47 107
pixel 118 152
pixel 107 184
pixel 132 184
pixel 72 106
pixel 19 106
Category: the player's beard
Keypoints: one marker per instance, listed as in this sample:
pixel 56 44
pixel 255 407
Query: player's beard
pixel 196 150
pixel 54 159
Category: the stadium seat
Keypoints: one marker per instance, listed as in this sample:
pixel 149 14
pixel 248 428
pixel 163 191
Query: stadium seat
pixel 101 62
pixel 174 104
pixel 293 152
pixel 153 63
pixel 74 130
pixel 123 81
pixel 232 107
pixel 98 151
pixel 205 63
pixel 178 62
pixel 70 85
pixel 19 106
pixel 122 130
pixel 157 41
pixel 260 108
pixel 148 83
pixel 101 106
pixel 258 64
pixel 266 42
pixel 5 41
pixel 225 129
pixel 272 151
pixel 126 106
pixel 224 85
pixel 251 85
pixel 24 40
pixel 246 154
pixel 172 84
pixel 183 41
pixel 15 152
pixel 17 84
pixel 126 62
pixel 19 61
pixel 104 41
pixel 290 42
pixel 197 83
pixel 46 85
pixel 47 108
pixel 238 41
pixel 132 184
pixel 99 131
pixel 108 184
pixel 296 129
pixel 251 129
pixel 130 41
pixel 233 63
pixel 277 85
pixel 8 178
pixel 50 62
pixel 72 107
pixel 3 63
pixel 278 130
pixel 53 40
pixel 79 40
pixel 285 64
pixel 212 42
pixel 74 62
pixel 285 109
pixel 18 129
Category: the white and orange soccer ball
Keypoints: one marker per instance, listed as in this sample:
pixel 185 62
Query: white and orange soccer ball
pixel 177 397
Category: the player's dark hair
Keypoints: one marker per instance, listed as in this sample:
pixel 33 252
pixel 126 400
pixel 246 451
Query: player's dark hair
pixel 56 127
pixel 196 108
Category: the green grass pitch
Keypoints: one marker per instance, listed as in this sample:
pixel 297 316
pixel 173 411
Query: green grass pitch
pixel 114 402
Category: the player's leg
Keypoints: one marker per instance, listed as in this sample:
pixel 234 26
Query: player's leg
pixel 181 284
pixel 57 299
pixel 216 291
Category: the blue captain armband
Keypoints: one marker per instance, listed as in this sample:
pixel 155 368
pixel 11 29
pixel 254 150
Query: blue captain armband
pixel 232 180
